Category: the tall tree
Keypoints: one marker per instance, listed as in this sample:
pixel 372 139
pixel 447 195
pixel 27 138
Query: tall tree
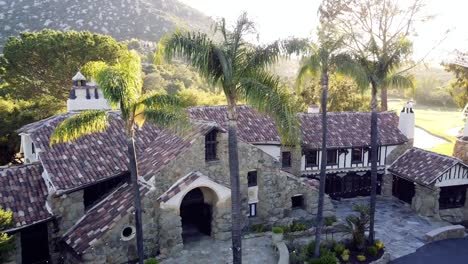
pixel 459 87
pixel 239 68
pixel 328 57
pixel 122 86
pixel 380 49
pixel 40 63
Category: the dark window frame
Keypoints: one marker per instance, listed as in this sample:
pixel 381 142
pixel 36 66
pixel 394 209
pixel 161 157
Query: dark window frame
pixel 286 161
pixel 336 156
pixel 452 197
pixel 252 179
pixel 211 146
pixel 309 155
pixel 95 193
pixel 33 148
pixel 361 159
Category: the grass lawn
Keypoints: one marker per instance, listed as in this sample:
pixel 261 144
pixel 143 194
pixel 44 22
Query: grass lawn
pixel 435 121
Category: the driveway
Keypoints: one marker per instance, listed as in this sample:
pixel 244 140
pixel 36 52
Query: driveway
pixel 401 229
pixel 453 251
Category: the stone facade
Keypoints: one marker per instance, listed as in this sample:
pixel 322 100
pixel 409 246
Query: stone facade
pixel 460 150
pixel 426 201
pixel 162 226
pixel 456 215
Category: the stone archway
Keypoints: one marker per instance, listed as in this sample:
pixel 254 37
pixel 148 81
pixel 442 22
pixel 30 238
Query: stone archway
pixel 196 213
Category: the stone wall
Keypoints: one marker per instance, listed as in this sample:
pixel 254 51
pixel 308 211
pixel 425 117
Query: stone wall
pixel 387 184
pixel 456 215
pixel 460 150
pixel 426 201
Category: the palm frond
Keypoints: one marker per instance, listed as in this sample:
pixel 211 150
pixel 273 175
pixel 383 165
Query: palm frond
pixel 165 111
pixel 264 93
pixel 311 67
pixel 199 50
pixel 398 81
pixel 84 123
pixel 344 64
pixel 263 56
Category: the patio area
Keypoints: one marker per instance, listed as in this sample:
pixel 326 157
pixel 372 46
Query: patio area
pixel 401 229
pixel 257 250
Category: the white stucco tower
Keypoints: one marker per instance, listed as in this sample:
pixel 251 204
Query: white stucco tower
pixel 406 123
pixel 85 95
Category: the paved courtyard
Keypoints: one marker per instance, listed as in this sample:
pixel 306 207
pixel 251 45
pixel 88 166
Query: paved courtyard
pixel 256 250
pixel 401 230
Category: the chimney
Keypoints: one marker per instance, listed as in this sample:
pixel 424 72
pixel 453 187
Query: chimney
pixel 313 109
pixel 85 95
pixel 465 130
pixel 406 123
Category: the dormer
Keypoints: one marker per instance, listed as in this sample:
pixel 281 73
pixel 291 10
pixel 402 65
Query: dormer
pixel 85 95
pixel 28 149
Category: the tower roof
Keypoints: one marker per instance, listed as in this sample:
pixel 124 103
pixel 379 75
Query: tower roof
pixel 79 77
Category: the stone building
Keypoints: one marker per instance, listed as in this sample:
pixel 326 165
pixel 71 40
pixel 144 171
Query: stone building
pixel 435 185
pixel 72 203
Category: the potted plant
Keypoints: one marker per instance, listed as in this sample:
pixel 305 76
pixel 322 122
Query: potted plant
pixel 277 235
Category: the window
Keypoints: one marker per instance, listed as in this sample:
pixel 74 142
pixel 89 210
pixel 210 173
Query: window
pixel 252 178
pixel 33 148
pixel 96 192
pixel 128 233
pixel 286 159
pixel 252 209
pixel 211 145
pixel 332 155
pixel 311 158
pixel 297 201
pixel 452 197
pixel 356 155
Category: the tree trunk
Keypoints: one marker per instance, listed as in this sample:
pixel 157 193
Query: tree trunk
pixel 383 99
pixel 236 217
pixel 323 166
pixel 374 148
pixel 136 193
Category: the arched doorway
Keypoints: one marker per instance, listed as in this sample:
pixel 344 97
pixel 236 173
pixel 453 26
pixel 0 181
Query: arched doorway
pixel 196 214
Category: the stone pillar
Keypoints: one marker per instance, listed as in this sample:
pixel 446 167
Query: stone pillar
pixel 426 201
pixel 460 149
pixel 170 234
pixel 221 221
pixel 387 185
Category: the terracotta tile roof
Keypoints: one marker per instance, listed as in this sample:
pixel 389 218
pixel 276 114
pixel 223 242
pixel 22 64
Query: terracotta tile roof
pixel 179 185
pixel 422 166
pixel 102 217
pixel 23 191
pixel 98 156
pixel 253 127
pixel 345 128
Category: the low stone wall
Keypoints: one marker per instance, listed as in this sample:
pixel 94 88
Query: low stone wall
pixel 446 232
pixel 383 260
pixel 283 252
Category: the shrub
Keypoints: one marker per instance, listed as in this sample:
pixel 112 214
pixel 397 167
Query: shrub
pixel 258 228
pixel 328 221
pixel 345 257
pixel 325 259
pixel 151 261
pixel 379 244
pixel 295 227
pixel 372 250
pixel 286 228
pixel 356 226
pixel 339 249
pixel 346 252
pixel 277 230
pixel 361 258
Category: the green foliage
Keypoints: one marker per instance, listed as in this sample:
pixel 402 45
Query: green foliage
pixel 346 252
pixel 328 221
pixel 258 228
pixel 357 225
pixel 345 257
pixel 277 230
pixel 361 258
pixel 196 97
pixel 42 63
pixel 297 226
pixel 379 244
pixel 151 261
pixel 6 241
pixel 326 259
pixel 372 251
pixel 459 87
pixel 339 249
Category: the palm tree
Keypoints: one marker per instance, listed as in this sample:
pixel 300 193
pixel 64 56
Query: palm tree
pixel 240 69
pixel 323 59
pixel 381 72
pixel 122 87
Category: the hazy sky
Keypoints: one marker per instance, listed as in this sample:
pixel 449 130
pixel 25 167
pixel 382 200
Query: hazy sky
pixel 279 19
